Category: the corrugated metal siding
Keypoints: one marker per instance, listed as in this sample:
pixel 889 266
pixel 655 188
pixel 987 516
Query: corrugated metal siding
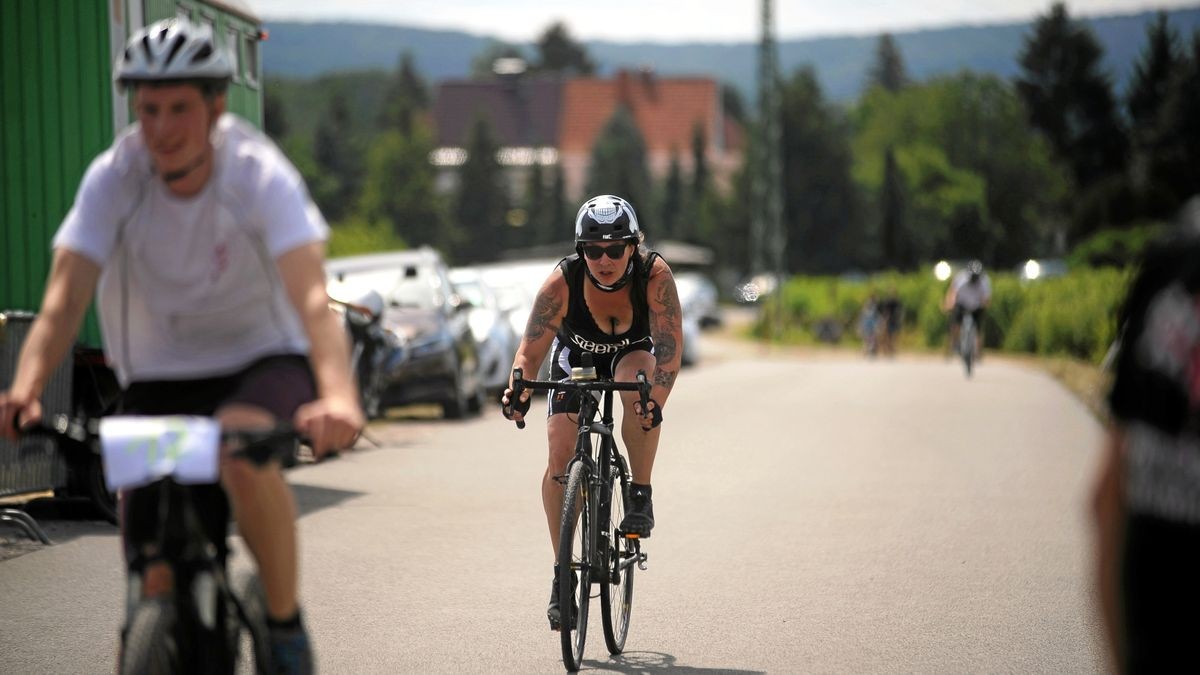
pixel 57 116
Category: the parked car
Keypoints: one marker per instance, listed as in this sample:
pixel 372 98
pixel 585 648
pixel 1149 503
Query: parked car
pixel 439 361
pixel 491 326
pixel 698 298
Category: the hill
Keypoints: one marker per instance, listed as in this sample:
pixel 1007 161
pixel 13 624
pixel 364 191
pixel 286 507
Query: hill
pixel 306 50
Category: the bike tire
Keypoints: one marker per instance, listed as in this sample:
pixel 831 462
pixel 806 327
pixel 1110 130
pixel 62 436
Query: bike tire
pixel 253 600
pixel 616 587
pixel 575 553
pixel 148 645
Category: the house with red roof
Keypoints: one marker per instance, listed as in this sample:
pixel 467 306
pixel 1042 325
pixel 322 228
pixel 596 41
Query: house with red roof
pixel 552 120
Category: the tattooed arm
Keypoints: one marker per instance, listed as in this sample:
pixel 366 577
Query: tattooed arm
pixel 666 327
pixel 549 309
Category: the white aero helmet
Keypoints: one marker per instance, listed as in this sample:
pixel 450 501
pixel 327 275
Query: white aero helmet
pixel 171 50
pixel 606 218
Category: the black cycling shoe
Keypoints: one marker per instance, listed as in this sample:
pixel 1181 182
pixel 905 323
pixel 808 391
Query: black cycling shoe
pixel 554 610
pixel 639 518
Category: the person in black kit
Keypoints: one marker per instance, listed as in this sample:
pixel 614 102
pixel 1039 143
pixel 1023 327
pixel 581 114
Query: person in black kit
pixel 1147 501
pixel 891 312
pixel 616 301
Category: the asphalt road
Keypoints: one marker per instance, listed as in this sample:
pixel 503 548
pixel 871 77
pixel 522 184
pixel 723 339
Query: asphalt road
pixel 814 515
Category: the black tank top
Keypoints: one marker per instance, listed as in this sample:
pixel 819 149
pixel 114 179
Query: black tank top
pixel 579 329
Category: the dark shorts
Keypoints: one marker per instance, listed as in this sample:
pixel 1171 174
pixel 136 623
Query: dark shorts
pixel 1160 594
pixel 960 311
pixel 564 357
pixel 277 384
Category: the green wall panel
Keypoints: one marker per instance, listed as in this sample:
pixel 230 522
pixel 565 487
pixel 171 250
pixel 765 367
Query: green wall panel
pixel 57 115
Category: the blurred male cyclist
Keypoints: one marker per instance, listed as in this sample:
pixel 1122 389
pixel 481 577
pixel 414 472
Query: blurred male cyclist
pixel 207 254
pixel 969 292
pixel 617 302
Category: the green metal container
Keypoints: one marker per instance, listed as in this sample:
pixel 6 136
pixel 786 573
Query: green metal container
pixel 60 109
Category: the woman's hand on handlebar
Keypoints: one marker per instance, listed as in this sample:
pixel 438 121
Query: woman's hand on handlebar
pixel 650 415
pixel 17 412
pixel 515 408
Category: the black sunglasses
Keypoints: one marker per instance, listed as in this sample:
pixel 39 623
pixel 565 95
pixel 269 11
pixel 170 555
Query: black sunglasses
pixel 596 252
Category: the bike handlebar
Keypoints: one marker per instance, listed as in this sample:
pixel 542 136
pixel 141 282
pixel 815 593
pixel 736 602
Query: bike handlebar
pixel 259 446
pixel 520 384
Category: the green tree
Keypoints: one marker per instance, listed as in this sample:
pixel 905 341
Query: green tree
pixel 1069 99
pixel 976 179
pixel 1175 162
pixel 336 152
pixel 819 200
pixel 398 190
pixel 1159 67
pixel 481 208
pixel 893 230
pixel 619 161
pixel 406 97
pixel 888 70
pixel 671 204
pixel 539 225
pixel 274 116
pixel 562 214
pixel 558 52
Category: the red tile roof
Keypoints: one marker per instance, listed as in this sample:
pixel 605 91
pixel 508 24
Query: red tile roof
pixel 665 109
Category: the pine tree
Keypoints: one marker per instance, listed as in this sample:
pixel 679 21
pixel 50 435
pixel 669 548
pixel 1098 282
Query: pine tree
pixel 619 161
pixel 671 205
pixel 482 204
pixel 405 99
pixel 888 71
pixel 560 53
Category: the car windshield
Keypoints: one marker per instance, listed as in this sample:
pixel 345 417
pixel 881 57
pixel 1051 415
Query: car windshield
pixel 472 292
pixel 411 292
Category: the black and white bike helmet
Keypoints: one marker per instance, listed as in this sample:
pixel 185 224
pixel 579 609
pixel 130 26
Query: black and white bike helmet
pixel 606 218
pixel 173 50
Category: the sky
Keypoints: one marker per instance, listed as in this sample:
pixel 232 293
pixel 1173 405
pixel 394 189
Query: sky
pixel 685 20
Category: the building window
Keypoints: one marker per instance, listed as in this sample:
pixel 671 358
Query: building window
pixel 250 49
pixel 231 48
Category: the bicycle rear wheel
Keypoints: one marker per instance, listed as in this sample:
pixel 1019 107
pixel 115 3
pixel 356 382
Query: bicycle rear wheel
pixel 616 587
pixel 148 645
pixel 575 555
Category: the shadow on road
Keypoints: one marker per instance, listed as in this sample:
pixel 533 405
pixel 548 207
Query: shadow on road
pixel 652 662
pixel 311 498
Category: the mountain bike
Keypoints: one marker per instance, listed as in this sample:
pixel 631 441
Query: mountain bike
pixel 966 343
pixel 182 613
pixel 592 549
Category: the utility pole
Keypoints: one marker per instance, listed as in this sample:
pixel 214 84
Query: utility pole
pixel 768 239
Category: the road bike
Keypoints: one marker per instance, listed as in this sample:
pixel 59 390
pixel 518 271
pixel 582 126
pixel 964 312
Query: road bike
pixel 966 343
pixel 592 550
pixel 182 612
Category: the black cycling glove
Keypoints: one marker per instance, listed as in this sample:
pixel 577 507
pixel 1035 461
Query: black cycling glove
pixel 517 405
pixel 655 414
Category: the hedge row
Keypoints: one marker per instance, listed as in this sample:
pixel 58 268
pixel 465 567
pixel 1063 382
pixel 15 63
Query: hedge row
pixel 1072 315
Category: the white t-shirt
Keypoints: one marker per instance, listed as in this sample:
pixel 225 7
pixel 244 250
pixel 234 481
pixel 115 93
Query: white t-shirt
pixel 971 296
pixel 189 286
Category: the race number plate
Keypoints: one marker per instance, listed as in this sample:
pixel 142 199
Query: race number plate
pixel 141 450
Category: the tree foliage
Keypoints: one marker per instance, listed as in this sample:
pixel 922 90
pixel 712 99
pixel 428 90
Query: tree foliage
pixel 336 153
pixel 1069 99
pixel 619 162
pixel 406 98
pixel 819 200
pixel 398 190
pixel 558 52
pixel 481 207
pixel 978 182
pixel 888 70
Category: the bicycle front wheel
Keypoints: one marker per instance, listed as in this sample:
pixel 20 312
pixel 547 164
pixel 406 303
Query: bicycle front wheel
pixel 148 645
pixel 616 586
pixel 575 555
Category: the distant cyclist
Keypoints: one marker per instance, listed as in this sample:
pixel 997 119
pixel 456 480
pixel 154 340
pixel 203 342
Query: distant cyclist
pixel 208 257
pixel 970 292
pixel 617 302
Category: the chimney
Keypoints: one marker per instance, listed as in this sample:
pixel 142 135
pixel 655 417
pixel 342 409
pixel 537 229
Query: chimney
pixel 624 88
